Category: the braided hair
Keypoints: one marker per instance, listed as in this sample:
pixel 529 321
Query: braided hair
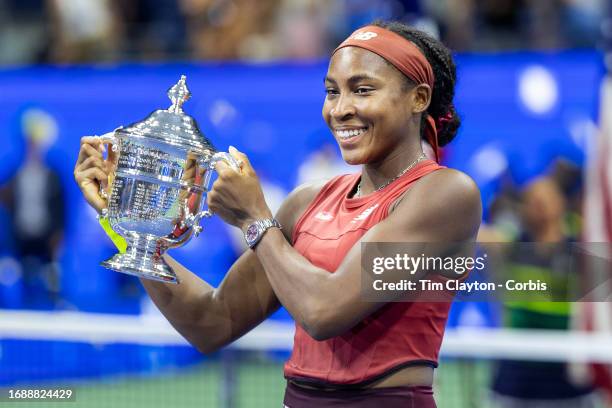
pixel 441 107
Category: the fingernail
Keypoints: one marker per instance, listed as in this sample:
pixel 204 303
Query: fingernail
pixel 232 149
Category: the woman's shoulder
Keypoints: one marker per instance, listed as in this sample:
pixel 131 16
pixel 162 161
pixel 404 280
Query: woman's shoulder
pixel 454 191
pixel 446 198
pixel 296 203
pixel 305 193
pixel 448 182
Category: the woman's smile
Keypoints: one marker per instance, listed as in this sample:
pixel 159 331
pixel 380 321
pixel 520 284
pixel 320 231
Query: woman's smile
pixel 349 136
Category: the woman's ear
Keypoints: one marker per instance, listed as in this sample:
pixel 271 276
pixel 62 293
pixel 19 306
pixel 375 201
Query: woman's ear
pixel 421 98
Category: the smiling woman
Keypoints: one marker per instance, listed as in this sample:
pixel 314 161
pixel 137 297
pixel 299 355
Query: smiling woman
pixel 377 79
pixel 389 88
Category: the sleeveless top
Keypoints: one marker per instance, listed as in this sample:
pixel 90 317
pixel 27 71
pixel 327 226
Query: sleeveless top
pixel 396 335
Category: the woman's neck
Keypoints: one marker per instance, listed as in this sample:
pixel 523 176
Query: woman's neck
pixel 375 175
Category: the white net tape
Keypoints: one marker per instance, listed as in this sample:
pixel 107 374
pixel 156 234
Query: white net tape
pixel 540 345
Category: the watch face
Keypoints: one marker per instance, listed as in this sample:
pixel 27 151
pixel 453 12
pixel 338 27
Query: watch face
pixel 251 233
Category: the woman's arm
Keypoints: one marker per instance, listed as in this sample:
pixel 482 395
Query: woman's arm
pixel 207 317
pixel 443 207
pixel 210 318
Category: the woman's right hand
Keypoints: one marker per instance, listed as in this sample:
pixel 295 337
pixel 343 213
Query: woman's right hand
pixel 92 171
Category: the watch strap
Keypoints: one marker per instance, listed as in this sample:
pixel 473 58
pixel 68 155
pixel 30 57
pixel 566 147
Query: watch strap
pixel 256 230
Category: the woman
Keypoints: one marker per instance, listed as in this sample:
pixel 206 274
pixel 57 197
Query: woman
pixel 388 87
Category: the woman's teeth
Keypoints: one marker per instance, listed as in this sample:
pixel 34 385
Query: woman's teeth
pixel 346 134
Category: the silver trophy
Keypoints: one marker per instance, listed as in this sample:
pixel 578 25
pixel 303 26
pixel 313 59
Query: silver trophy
pixel 162 169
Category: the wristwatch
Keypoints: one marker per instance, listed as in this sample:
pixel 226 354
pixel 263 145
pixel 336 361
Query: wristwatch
pixel 257 229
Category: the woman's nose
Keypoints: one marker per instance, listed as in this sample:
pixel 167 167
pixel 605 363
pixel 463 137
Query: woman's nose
pixel 343 108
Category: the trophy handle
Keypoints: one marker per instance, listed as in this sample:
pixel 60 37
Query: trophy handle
pixel 217 157
pixel 110 139
pixel 226 157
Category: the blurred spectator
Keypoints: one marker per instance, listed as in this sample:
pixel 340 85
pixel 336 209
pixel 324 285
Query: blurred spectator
pixel 503 224
pixel 456 19
pixel 544 19
pixel 154 29
pixel 230 29
pixel 83 30
pixel 304 28
pixel 68 31
pixel 481 24
pixel 569 178
pixel 23 31
pixel 534 383
pixel 582 21
pixel 35 202
pixel 542 211
pixel 489 25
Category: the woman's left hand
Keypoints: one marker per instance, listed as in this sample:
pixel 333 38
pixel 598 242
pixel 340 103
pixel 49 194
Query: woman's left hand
pixel 237 197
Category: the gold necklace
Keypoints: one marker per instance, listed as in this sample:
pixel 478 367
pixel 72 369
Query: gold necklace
pixel 401 173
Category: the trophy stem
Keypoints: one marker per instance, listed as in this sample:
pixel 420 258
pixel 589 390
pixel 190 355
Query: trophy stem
pixel 143 258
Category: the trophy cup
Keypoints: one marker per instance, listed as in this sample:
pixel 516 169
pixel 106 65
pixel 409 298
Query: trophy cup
pixel 163 168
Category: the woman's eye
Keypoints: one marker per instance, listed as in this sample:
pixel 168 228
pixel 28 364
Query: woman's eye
pixel 362 90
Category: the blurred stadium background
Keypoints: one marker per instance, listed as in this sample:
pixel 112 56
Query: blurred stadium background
pixel 533 93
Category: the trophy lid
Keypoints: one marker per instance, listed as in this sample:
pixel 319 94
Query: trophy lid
pixel 171 126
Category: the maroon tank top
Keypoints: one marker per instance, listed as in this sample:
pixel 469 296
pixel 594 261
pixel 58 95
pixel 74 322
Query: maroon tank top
pixel 396 335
